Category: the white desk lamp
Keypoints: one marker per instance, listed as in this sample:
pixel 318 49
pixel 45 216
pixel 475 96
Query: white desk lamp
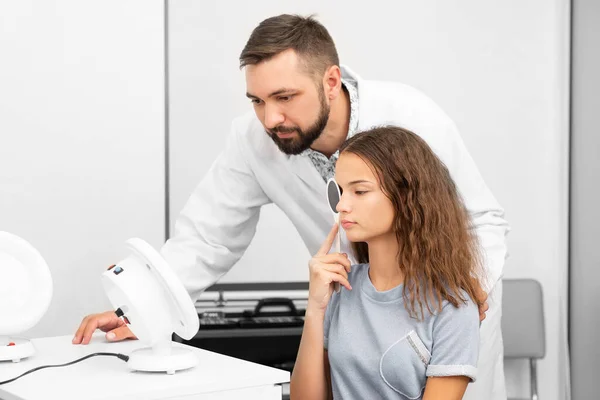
pixel 25 294
pixel 155 304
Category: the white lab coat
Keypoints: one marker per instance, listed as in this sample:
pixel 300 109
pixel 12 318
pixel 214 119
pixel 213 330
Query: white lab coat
pixel 219 220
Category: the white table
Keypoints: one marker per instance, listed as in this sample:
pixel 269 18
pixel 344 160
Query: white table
pixel 217 377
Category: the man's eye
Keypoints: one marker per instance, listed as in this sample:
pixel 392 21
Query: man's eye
pixel 285 98
pixel 256 101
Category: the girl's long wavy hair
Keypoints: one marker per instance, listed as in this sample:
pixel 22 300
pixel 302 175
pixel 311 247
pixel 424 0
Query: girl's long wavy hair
pixel 438 249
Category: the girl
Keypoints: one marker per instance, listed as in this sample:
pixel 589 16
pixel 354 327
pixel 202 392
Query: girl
pixel 407 327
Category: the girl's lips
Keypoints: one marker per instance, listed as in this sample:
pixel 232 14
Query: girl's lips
pixel 347 224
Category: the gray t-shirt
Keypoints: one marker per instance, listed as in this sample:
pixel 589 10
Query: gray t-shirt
pixel 377 351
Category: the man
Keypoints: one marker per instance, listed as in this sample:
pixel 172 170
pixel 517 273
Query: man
pixel 309 105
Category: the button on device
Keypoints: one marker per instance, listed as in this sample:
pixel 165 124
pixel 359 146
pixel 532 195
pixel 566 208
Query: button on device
pixel 117 270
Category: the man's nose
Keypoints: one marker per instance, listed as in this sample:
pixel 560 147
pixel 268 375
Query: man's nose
pixel 273 117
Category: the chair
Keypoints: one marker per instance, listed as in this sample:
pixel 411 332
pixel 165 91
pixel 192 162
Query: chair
pixel 523 328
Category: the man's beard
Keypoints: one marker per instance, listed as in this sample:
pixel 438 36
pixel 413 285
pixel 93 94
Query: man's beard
pixel 304 139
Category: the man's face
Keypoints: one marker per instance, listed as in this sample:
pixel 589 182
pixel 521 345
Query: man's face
pixel 288 102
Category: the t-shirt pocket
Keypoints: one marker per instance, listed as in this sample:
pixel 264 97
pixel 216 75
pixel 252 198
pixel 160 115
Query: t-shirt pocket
pixel 403 366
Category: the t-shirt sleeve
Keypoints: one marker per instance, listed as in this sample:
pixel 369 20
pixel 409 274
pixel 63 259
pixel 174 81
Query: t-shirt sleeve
pixel 455 341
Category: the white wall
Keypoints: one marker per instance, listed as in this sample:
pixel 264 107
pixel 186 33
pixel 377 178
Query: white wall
pixel 499 68
pixel 81 139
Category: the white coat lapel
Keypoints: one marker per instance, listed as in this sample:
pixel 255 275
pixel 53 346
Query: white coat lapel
pixel 304 168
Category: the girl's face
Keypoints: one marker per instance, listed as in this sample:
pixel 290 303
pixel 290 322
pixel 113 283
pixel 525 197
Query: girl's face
pixel 366 213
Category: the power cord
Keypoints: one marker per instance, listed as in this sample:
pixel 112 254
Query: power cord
pixel 118 355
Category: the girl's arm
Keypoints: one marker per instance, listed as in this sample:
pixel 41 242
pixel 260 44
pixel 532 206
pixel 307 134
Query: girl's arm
pixel 446 388
pixel 311 376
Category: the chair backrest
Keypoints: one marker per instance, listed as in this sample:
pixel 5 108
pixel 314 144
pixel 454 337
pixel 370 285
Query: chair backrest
pixel 523 327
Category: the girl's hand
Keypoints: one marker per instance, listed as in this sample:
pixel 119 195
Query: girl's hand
pixel 325 269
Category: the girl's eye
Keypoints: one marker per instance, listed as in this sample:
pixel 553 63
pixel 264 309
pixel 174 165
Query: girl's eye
pixel 359 192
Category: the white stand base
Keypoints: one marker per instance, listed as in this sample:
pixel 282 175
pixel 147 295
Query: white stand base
pixel 147 359
pixel 22 349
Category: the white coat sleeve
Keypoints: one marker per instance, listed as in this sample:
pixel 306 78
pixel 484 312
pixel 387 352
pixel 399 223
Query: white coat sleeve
pixel 218 221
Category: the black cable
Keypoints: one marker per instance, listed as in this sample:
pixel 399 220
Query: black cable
pixel 118 355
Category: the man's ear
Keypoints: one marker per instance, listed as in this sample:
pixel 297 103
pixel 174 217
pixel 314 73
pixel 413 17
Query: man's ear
pixel 332 82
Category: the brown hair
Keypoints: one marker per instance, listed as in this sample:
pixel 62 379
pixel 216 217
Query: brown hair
pixel 438 250
pixel 305 35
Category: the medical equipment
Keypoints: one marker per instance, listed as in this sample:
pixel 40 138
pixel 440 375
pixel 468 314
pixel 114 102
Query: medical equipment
pixel 333 198
pixel 25 294
pixel 149 297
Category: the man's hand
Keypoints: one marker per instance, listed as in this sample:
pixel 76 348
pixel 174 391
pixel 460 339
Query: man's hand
pixel 108 322
pixel 481 298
